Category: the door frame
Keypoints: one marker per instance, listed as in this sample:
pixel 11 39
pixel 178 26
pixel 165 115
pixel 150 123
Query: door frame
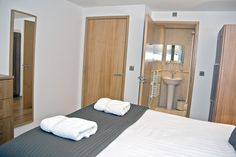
pixel 193 59
pixel 85 49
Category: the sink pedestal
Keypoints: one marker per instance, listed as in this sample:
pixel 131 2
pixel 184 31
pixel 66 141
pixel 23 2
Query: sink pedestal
pixel 171 83
pixel 170 95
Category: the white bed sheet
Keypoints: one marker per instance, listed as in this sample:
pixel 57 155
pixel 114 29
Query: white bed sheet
pixel 158 134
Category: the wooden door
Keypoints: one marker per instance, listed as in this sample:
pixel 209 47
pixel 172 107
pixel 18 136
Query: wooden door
pixel 146 69
pixel 104 58
pixel 28 63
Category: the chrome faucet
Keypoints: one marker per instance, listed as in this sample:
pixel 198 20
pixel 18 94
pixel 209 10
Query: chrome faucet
pixel 172 74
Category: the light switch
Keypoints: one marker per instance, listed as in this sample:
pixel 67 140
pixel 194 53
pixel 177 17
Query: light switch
pixel 201 73
pixel 131 68
pixel 174 14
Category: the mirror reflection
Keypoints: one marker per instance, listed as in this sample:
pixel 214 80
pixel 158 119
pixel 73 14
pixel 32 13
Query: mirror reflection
pixel 157 52
pixel 22 65
pixel 154 52
pixel 174 53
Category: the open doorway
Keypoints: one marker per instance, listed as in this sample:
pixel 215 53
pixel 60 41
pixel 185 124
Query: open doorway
pixel 168 66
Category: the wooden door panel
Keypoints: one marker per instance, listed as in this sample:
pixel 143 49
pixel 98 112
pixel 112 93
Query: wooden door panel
pixel 117 45
pixel 28 63
pixel 28 87
pixel 146 69
pixel 28 42
pixel 105 52
pixel 94 55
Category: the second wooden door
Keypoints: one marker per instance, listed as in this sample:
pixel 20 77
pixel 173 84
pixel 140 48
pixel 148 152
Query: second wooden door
pixel 28 64
pixel 104 58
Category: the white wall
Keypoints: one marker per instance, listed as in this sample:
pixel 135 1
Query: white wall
pixel 134 51
pixel 56 55
pixel 210 24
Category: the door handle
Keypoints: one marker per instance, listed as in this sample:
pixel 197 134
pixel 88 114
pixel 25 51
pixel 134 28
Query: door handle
pixel 142 79
pixel 118 74
pixel 26 66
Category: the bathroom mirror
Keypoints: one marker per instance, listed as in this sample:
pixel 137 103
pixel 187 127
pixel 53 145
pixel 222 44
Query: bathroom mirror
pixel 22 47
pixel 174 53
pixel 154 52
pixel 157 52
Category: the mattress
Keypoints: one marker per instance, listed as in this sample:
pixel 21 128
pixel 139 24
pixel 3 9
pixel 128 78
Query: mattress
pixel 158 134
pixel 139 133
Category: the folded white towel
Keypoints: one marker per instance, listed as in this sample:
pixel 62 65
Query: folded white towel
pixel 75 128
pixel 48 124
pixel 71 128
pixel 117 107
pixel 101 104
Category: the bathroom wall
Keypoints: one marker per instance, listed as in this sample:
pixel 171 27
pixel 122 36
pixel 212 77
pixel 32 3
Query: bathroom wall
pixel 158 37
pixel 178 37
pixel 164 35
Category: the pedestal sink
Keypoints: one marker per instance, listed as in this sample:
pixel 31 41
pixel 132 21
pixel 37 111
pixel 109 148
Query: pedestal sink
pixel 171 83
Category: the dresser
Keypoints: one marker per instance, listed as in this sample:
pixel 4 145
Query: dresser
pixel 223 95
pixel 6 109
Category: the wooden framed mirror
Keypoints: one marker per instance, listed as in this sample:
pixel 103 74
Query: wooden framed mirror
pixel 22 49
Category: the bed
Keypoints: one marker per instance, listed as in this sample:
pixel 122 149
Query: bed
pixel 141 132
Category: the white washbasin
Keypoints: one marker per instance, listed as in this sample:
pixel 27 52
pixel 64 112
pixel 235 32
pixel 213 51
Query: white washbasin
pixel 172 81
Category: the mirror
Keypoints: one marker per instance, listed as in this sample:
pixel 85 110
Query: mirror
pixel 154 52
pixel 157 52
pixel 174 53
pixel 22 47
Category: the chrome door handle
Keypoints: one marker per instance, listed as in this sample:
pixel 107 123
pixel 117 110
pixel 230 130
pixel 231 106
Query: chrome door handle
pixel 26 65
pixel 142 79
pixel 117 74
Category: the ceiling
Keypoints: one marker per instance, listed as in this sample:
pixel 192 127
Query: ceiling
pixel 166 5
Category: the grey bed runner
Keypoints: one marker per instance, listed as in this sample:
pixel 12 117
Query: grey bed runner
pixel 37 143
